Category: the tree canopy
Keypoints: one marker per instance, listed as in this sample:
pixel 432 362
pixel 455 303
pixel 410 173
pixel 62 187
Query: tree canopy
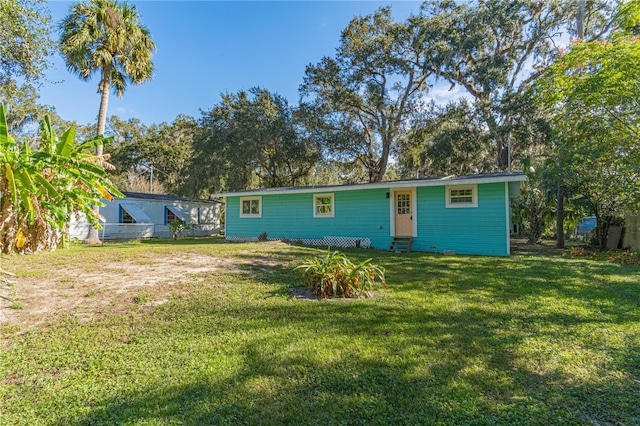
pixel 495 50
pixel 25 45
pixel 250 139
pixel 25 50
pixel 151 158
pixel 358 104
pixel 108 38
pixel 447 140
pixel 593 91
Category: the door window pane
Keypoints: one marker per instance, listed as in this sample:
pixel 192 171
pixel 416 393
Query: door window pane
pixel 403 203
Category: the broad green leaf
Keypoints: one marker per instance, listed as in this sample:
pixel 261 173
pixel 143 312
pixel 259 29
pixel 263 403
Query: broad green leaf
pixel 4 130
pixel 51 191
pixel 65 146
pixel 12 183
pixel 97 141
pixel 47 135
pixel 26 188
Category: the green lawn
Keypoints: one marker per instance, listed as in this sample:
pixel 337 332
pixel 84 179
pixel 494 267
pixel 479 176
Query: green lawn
pixel 454 340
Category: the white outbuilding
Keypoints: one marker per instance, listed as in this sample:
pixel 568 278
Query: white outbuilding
pixel 140 215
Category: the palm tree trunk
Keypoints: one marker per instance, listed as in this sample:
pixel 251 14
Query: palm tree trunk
pixel 104 88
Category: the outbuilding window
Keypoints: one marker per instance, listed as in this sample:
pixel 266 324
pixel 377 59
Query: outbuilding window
pixel 170 216
pixel 125 216
pixel 323 205
pixel 460 196
pixel 250 206
pixel 131 213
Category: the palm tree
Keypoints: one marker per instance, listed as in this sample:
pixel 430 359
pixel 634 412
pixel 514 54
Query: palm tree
pixel 106 37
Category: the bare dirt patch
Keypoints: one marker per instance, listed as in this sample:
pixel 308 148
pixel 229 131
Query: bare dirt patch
pixel 545 247
pixel 36 296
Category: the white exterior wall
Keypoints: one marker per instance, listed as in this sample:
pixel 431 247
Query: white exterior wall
pixel 78 227
pixel 155 210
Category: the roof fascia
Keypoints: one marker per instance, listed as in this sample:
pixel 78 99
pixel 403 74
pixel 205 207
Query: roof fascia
pixel 377 185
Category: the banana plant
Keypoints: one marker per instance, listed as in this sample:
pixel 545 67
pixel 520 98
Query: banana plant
pixel 40 189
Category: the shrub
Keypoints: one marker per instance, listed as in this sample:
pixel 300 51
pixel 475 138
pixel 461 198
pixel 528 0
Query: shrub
pixel 177 227
pixel 334 275
pixel 622 257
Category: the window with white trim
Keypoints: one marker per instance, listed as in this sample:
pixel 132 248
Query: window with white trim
pixel 460 196
pixel 323 205
pixel 250 206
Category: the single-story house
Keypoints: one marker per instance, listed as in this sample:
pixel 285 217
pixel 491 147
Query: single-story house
pixel 141 215
pixel 455 214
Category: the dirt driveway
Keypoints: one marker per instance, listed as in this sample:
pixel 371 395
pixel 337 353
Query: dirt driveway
pixel 45 286
pixel 124 278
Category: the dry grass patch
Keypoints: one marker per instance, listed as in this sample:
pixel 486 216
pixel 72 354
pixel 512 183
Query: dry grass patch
pixel 96 280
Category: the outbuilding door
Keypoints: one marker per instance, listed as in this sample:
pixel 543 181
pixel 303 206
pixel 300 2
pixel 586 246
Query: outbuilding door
pixel 403 214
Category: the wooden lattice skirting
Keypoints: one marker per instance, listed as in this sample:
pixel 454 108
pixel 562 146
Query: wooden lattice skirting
pixel 341 242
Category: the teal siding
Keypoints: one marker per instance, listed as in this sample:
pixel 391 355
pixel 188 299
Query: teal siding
pixel 476 230
pixel 364 213
pixel 360 213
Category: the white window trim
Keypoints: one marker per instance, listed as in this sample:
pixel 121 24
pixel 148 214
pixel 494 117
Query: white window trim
pixel 259 199
pixel 333 205
pixel 474 197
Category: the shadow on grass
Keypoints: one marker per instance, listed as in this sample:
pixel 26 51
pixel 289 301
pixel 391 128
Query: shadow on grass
pixel 531 281
pixel 609 288
pixel 457 340
pixel 388 364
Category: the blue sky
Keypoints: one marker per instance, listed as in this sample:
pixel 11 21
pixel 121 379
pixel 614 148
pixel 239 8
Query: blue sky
pixel 208 47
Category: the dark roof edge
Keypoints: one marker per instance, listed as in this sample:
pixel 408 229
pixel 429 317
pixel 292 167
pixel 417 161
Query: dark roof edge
pixel 447 180
pixel 165 197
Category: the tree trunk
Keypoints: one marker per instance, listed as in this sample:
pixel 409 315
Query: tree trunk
pixel 503 154
pixel 377 174
pixel 560 199
pixel 580 19
pixel 502 150
pixel 93 238
pixel 560 217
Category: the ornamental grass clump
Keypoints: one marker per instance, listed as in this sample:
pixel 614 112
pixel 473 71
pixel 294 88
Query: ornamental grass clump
pixel 334 275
